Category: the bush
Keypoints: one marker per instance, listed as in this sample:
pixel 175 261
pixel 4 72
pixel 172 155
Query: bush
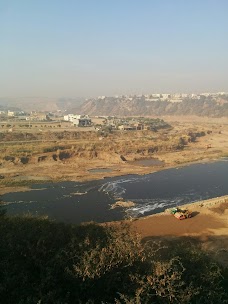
pixel 47 262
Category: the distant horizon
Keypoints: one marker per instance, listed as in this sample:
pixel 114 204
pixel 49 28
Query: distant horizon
pixel 129 94
pixel 89 48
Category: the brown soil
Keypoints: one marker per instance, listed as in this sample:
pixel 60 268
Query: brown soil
pixel 209 225
pixel 167 225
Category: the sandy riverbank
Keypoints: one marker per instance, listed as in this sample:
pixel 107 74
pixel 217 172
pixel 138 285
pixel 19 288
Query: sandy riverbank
pixel 208 226
pixel 124 169
pixel 208 216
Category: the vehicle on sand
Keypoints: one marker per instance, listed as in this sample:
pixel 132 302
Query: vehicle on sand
pixel 181 214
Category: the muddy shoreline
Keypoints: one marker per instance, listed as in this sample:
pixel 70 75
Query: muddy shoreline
pixel 136 170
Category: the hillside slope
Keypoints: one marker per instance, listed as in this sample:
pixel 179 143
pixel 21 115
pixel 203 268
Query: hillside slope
pixel 123 107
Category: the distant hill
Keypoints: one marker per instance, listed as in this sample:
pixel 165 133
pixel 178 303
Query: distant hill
pixel 39 103
pixel 114 106
pixel 111 106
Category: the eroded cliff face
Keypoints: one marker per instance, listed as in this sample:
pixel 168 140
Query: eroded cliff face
pixel 70 155
pixel 76 146
pixel 141 107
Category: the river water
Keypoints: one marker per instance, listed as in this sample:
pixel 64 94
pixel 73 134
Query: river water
pixel 74 202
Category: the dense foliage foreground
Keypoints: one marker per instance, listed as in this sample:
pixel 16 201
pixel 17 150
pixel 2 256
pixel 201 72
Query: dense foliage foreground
pixel 47 262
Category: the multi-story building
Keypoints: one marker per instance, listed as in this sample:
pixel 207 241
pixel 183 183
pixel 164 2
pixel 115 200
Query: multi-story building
pixel 78 120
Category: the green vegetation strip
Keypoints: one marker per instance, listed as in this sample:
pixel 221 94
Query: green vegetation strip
pixel 6 182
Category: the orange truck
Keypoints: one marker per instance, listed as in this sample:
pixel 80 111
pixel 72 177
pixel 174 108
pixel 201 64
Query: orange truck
pixel 181 214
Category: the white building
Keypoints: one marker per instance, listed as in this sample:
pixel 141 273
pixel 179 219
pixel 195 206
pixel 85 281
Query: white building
pixel 183 95
pixel 11 113
pixel 156 95
pixel 176 95
pixel 82 122
pixel 165 96
pixel 195 96
pixel 78 120
pixel 37 116
pixel 68 117
pixel 206 94
pixel 72 117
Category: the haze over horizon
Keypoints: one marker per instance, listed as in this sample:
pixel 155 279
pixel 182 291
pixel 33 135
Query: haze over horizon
pixel 89 48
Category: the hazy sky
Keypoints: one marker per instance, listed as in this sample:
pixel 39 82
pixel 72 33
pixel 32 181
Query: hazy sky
pixel 104 47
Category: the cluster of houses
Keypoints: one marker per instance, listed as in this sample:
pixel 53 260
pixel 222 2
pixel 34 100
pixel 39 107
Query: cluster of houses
pixel 134 127
pixel 133 124
pixel 76 120
pixel 21 115
pixel 176 97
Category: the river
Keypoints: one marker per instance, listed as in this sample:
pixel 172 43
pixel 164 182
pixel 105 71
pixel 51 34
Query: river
pixel 74 202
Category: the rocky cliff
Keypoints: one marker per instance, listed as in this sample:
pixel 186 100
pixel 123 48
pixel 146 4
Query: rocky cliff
pixel 142 107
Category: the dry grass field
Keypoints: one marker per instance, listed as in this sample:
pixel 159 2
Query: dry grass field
pixel 70 155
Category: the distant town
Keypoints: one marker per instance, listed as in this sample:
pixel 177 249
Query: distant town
pixel 69 118
pixel 177 97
